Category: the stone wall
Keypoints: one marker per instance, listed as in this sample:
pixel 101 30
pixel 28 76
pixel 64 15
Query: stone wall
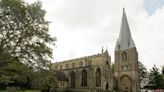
pixel 90 64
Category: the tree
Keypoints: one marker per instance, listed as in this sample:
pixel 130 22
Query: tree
pixel 24 33
pixel 156 80
pixel 15 74
pixel 48 82
pixel 163 70
pixel 143 74
pixel 24 37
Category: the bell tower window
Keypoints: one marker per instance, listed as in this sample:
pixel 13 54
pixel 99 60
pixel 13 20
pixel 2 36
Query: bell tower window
pixel 124 56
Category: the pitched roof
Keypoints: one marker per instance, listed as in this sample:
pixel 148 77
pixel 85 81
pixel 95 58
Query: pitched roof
pixel 125 40
pixel 61 76
pixel 85 57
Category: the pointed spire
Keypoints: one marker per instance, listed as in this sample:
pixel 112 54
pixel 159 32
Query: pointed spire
pixel 125 40
pixel 106 52
pixel 102 50
pixel 123 9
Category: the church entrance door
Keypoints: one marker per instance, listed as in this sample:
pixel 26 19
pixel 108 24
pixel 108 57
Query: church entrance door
pixel 125 84
pixel 107 86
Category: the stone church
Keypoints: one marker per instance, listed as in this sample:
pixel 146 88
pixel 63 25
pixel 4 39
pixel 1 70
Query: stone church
pixel 95 73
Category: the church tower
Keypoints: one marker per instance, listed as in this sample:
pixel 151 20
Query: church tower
pixel 126 60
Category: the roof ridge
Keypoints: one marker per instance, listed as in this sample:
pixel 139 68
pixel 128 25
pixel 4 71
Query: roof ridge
pixel 85 57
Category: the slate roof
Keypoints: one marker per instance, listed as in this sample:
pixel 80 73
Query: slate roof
pixel 125 40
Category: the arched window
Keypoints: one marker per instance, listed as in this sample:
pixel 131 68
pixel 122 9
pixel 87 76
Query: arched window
pixel 72 79
pixel 107 68
pixel 86 62
pixel 98 77
pixel 84 78
pixel 80 64
pixel 89 62
pixel 66 66
pixel 73 65
pixel 61 67
pixel 124 56
pixel 107 65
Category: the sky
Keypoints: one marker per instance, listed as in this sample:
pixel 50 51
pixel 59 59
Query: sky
pixel 83 27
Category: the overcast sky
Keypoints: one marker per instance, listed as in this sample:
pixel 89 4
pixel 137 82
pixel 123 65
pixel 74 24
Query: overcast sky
pixel 82 27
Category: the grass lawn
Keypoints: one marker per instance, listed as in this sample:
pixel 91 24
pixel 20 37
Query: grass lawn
pixel 23 91
pixel 30 91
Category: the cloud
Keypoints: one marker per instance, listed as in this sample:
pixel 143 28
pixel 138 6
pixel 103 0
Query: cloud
pixel 152 5
pixel 82 27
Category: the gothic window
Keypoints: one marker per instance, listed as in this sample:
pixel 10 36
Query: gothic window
pixel 73 65
pixel 89 62
pixel 61 67
pixel 72 79
pixel 66 66
pixel 84 78
pixel 86 62
pixel 98 77
pixel 124 56
pixel 80 64
pixel 107 67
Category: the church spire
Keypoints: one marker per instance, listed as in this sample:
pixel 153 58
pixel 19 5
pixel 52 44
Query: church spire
pixel 125 40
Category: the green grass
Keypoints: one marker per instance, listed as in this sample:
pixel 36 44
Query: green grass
pixel 29 91
pixel 23 91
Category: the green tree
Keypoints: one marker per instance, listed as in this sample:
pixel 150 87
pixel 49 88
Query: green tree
pixel 163 70
pixel 24 39
pixel 24 33
pixel 143 74
pixel 156 80
pixel 47 80
pixel 15 74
